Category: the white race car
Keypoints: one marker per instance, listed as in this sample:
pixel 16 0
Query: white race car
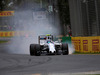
pixel 47 45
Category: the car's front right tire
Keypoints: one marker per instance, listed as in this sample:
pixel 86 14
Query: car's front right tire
pixel 35 50
pixel 32 49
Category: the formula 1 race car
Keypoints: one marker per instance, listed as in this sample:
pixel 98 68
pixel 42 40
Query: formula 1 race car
pixel 47 45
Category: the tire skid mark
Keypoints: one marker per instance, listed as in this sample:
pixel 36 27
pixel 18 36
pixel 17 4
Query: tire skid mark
pixel 38 64
pixel 16 65
pixel 11 62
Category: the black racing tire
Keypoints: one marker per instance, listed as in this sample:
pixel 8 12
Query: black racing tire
pixel 32 49
pixel 38 51
pixel 65 49
pixel 35 50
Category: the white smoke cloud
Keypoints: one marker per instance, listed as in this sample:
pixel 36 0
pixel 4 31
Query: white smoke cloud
pixel 21 44
pixel 71 48
pixel 25 20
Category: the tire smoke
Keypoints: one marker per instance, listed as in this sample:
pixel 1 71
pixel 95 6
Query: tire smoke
pixel 71 48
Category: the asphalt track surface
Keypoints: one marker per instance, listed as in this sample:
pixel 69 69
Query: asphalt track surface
pixel 24 64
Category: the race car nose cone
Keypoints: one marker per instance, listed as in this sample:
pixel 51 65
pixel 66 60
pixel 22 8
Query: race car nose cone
pixel 51 47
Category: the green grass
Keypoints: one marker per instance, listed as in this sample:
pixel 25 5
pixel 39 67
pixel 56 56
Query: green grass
pixel 86 53
pixel 3 41
pixel 92 74
pixel 83 74
pixel 88 74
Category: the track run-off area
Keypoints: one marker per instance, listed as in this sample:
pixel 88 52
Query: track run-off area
pixel 24 64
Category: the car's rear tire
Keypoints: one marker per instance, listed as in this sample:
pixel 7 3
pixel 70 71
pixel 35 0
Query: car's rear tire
pixel 35 50
pixel 65 50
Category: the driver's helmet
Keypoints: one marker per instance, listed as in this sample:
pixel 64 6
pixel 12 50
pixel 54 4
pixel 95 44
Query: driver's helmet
pixel 48 41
